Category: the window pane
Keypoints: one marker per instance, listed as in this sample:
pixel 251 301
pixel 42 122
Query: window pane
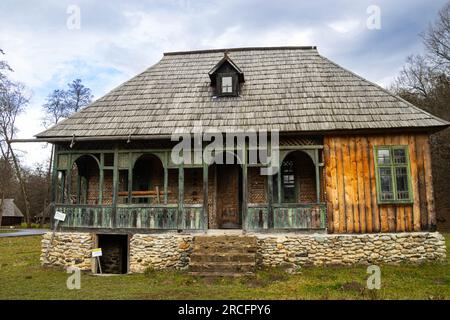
pixel 401 179
pixel 288 181
pixel 399 156
pixel 383 156
pixel 227 84
pixel 386 183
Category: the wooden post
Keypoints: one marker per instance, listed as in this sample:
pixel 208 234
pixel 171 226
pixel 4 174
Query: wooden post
pixel 244 187
pixel 53 188
pixel 205 196
pixel 317 164
pixel 166 184
pixel 130 178
pixel 101 178
pixel 68 178
pixel 270 217
pixel 115 186
pixel 181 217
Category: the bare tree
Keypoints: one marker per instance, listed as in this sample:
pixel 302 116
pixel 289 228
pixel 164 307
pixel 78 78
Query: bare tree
pixel 12 103
pixel 78 96
pixel 56 107
pixel 425 82
pixel 437 40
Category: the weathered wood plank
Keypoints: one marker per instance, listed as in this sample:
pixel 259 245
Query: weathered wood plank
pixel 422 184
pixel 340 184
pixel 365 152
pixel 416 221
pixel 376 212
pixel 348 194
pixel 329 182
pixel 354 184
pixel 429 192
pixel 360 184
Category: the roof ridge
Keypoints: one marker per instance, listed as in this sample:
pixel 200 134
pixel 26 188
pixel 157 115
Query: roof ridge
pixel 240 49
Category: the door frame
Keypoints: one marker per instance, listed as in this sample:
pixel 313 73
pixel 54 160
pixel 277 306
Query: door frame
pixel 239 195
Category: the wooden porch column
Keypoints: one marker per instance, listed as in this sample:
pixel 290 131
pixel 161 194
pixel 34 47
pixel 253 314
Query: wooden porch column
pixel 181 218
pixel 101 178
pixel 270 202
pixel 130 178
pixel 317 165
pixel 205 196
pixel 68 178
pixel 53 186
pixel 115 187
pixel 244 187
pixel 166 181
pixel 270 222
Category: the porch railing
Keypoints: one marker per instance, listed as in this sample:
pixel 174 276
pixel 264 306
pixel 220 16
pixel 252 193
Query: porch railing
pixel 296 216
pixel 133 216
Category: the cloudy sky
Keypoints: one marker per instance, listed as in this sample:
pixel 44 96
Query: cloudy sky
pixel 118 39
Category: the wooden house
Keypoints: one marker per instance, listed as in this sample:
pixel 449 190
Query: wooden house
pixel 353 157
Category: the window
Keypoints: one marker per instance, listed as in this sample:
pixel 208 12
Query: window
pixel 227 84
pixel 288 181
pixel 393 174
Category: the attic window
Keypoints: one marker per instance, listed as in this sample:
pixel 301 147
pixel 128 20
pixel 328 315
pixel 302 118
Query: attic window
pixel 227 84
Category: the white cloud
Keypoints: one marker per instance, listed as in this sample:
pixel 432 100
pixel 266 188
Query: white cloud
pixel 345 26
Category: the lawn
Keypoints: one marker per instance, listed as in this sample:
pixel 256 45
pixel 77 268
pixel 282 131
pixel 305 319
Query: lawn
pixel 7 230
pixel 22 277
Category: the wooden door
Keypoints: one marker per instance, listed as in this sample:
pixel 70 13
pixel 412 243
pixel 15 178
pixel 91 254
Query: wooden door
pixel 228 206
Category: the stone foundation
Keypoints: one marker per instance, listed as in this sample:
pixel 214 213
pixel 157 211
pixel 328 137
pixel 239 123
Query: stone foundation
pixel 169 251
pixel 328 249
pixel 68 249
pixel 172 251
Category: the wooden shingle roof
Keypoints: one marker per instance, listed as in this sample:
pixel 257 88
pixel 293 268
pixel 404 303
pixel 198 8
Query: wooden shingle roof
pixel 286 88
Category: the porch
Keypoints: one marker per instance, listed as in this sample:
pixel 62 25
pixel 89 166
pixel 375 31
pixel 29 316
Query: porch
pixel 141 190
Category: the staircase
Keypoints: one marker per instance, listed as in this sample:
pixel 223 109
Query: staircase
pixel 223 256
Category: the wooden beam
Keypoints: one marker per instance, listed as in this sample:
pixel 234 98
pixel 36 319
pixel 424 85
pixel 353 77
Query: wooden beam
pixel 244 186
pixel 205 196
pixel 115 187
pixel 101 178
pixel 53 187
pixel 316 165
pixel 181 218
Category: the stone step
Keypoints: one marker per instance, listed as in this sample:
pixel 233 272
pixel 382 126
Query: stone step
pixel 222 267
pixel 219 256
pixel 225 240
pixel 222 257
pixel 213 274
pixel 223 248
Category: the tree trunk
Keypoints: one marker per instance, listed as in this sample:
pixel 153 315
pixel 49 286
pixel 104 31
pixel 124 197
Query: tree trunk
pixel 22 185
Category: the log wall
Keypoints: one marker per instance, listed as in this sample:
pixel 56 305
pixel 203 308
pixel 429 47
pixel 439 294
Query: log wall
pixel 350 185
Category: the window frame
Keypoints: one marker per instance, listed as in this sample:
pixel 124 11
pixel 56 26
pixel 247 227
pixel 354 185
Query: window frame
pixel 234 84
pixel 281 176
pixel 393 166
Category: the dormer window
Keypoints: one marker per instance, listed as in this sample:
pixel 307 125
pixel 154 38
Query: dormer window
pixel 226 78
pixel 227 84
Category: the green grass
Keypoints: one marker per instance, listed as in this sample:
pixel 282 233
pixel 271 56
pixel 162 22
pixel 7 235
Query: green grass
pixel 7 230
pixel 22 277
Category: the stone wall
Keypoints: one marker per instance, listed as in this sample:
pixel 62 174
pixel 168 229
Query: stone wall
pixel 68 249
pixel 168 251
pixel 172 251
pixel 325 249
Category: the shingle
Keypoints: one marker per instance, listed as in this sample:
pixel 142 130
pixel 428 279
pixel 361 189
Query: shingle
pixel 286 88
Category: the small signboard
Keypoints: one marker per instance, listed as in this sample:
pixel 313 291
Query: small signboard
pixel 96 252
pixel 60 216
